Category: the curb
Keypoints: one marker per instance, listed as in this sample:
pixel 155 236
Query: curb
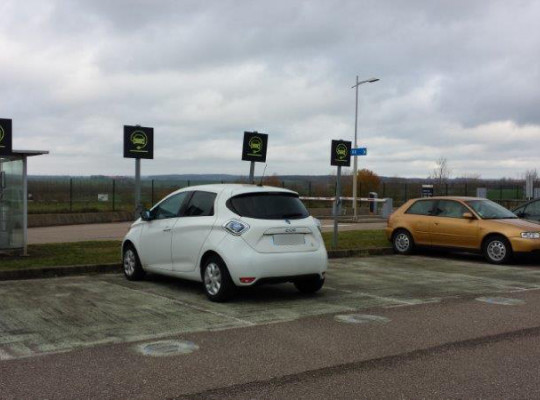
pixel 56 272
pixel 378 251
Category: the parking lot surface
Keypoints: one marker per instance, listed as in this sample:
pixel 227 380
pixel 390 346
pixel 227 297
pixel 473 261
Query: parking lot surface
pixel 100 336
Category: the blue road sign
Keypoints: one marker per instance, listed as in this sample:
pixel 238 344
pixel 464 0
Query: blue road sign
pixel 361 151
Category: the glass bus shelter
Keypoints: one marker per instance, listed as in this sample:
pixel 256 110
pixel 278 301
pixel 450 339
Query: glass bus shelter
pixel 14 200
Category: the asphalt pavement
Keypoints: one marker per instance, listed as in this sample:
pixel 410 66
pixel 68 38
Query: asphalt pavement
pixel 392 327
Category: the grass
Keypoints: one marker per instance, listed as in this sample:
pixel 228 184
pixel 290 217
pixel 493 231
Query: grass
pixel 61 254
pixel 105 252
pixel 357 239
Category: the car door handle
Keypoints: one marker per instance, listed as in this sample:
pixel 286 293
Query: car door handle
pixel 167 230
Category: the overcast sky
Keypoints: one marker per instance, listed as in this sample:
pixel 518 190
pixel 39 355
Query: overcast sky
pixel 459 79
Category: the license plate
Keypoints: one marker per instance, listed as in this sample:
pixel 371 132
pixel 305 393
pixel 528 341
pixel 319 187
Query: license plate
pixel 289 240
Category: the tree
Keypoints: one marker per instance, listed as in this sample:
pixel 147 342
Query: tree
pixel 441 172
pixel 368 181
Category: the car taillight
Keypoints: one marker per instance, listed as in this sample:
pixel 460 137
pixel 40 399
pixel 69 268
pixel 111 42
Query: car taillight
pixel 236 227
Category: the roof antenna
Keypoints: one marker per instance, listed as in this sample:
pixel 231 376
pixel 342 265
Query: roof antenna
pixel 262 176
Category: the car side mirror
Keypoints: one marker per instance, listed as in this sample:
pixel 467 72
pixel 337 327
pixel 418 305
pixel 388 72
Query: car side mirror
pixel 146 215
pixel 520 214
pixel 467 215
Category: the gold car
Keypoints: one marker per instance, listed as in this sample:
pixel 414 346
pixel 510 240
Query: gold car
pixel 467 223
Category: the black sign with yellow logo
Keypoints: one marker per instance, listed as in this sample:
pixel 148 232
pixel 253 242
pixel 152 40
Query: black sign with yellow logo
pixel 5 137
pixel 255 145
pixel 138 142
pixel 341 153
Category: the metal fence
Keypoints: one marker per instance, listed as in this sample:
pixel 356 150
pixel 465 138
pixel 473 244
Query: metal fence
pixel 64 195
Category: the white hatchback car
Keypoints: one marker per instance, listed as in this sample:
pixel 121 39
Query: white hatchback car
pixel 228 236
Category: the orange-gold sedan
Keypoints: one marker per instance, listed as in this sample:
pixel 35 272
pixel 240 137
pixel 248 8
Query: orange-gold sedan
pixel 466 223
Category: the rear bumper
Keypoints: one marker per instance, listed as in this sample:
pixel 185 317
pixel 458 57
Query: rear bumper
pixel 243 261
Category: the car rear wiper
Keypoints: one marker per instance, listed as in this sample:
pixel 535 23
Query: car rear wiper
pixel 292 215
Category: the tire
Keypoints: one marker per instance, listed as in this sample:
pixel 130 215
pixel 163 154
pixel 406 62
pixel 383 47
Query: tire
pixel 132 264
pixel 497 250
pixel 402 242
pixel 309 286
pixel 217 282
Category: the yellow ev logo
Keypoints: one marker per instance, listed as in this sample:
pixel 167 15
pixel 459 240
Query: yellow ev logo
pixel 341 151
pixel 255 144
pixel 138 139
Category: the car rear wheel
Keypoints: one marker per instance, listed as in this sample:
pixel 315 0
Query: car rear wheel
pixel 132 265
pixel 402 242
pixel 497 250
pixel 309 286
pixel 217 282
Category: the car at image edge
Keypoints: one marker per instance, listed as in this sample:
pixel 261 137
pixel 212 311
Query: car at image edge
pixel 228 236
pixel 529 211
pixel 466 223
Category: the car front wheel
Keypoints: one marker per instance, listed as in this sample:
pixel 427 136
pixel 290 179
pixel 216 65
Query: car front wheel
pixel 402 242
pixel 497 250
pixel 131 263
pixel 217 282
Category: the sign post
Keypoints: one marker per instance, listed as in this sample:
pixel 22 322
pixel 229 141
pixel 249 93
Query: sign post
pixel 254 150
pixel 340 156
pixel 138 143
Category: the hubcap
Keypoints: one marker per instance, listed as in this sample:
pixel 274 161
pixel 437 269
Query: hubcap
pixel 496 250
pixel 212 279
pixel 129 262
pixel 402 242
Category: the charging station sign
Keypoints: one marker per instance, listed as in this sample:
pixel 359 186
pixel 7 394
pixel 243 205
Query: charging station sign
pixel 5 137
pixel 255 146
pixel 138 142
pixel 341 153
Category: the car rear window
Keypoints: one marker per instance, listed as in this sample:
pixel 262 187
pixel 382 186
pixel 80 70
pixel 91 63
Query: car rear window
pixel 269 205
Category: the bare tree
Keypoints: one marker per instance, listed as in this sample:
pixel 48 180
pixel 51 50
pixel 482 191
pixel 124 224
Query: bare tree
pixel 441 172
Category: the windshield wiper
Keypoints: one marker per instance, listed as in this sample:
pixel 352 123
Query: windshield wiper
pixel 292 215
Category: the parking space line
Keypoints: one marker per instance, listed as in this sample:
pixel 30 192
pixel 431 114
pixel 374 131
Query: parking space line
pixel 194 307
pixel 373 296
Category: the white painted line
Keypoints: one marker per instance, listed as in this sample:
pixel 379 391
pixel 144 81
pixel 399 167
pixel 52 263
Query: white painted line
pixel 373 296
pixel 218 314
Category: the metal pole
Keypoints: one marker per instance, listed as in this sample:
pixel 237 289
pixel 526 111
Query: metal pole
pixel 113 194
pixel 137 185
pixel 70 194
pixel 25 206
pixel 252 172
pixel 337 208
pixel 355 161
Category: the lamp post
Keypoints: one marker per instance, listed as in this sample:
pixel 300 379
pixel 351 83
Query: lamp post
pixel 355 162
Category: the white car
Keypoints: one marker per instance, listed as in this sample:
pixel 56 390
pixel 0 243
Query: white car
pixel 228 236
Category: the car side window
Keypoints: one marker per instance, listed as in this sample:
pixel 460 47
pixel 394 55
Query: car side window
pixel 201 204
pixel 170 207
pixel 533 208
pixel 450 209
pixel 421 207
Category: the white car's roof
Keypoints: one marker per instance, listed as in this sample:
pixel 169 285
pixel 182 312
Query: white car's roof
pixel 236 188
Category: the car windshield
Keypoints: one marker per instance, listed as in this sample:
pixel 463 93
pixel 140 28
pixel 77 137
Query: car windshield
pixel 269 205
pixel 487 209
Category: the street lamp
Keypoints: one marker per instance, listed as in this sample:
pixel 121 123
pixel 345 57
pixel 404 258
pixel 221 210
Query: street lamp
pixel 355 162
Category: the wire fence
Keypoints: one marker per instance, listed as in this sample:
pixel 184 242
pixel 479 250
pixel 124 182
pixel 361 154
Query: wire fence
pixel 65 195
